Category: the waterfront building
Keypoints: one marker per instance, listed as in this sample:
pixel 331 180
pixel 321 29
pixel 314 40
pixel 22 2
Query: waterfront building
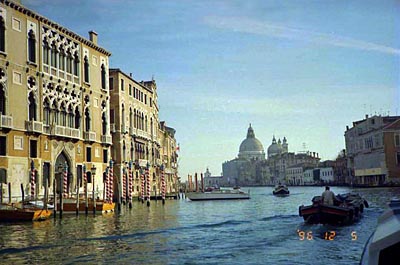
pixel 214 181
pixel 138 136
pixel 373 151
pixel 53 95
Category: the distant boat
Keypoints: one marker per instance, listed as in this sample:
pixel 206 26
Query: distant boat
pixel 219 194
pixel 383 247
pixel 281 190
pixel 69 206
pixel 10 213
pixel 346 209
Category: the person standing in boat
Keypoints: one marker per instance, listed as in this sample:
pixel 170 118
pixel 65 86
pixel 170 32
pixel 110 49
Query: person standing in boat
pixel 328 197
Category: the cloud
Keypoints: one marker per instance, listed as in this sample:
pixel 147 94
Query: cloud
pixel 251 26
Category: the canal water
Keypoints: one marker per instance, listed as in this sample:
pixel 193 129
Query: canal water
pixel 263 230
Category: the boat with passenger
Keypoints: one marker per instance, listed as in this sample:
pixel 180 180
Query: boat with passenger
pixel 218 194
pixel 383 246
pixel 281 190
pixel 346 209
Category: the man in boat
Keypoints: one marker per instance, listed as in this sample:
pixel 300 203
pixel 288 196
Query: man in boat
pixel 328 197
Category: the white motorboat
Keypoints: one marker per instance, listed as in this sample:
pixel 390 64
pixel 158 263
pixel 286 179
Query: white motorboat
pixel 383 247
pixel 218 195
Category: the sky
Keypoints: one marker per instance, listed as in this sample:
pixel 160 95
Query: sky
pixel 299 69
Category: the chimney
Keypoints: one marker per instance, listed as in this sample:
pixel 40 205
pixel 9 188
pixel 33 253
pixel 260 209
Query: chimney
pixel 347 127
pixel 93 37
pixel 130 74
pixel 366 116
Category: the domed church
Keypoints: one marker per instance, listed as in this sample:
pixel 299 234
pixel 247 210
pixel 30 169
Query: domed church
pixel 251 148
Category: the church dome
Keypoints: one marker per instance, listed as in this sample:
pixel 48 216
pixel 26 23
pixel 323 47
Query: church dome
pixel 251 147
pixel 274 148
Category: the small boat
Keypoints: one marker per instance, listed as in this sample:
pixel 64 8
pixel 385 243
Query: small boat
pixel 219 194
pixel 383 246
pixel 69 206
pixel 347 208
pixel 11 213
pixel 281 190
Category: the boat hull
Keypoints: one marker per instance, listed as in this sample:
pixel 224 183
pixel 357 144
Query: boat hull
pixel 12 214
pixel 101 207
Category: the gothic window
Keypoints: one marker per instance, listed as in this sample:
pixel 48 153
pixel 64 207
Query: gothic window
pixel 2 100
pixel 76 64
pixel 145 123
pixel 77 119
pixel 123 119
pixel 63 118
pixel 32 107
pixel 70 117
pixel 53 55
pixel 134 118
pixel 31 47
pixel 87 120
pixel 151 125
pixel 46 50
pixel 55 118
pixel 130 118
pixel 124 152
pixel 103 77
pixel 46 112
pixel 86 69
pixel 142 122
pixel 104 123
pixel 61 60
pixel 69 62
pixel 2 35
pixel 132 151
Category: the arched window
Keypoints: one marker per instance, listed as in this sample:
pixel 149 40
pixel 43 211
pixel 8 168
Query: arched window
pixel 2 35
pixel 145 123
pixel 53 55
pixel 63 118
pixel 76 64
pixel 31 46
pixel 54 111
pixel 151 125
pixel 104 123
pixel 103 76
pixel 70 114
pixel 87 120
pixel 77 119
pixel 132 151
pixel 32 107
pixel 142 122
pixel 134 118
pixel 86 69
pixel 46 112
pixel 130 119
pixel 124 152
pixel 123 119
pixel 2 100
pixel 46 51
pixel 69 62
pixel 61 59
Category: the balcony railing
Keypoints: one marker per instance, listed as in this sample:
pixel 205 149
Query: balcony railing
pixel 106 139
pixel 89 136
pixel 6 121
pixel 34 126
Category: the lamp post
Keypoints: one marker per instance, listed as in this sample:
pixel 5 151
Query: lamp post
pixel 93 173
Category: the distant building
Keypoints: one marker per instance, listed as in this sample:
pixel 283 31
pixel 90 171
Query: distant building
pixel 373 151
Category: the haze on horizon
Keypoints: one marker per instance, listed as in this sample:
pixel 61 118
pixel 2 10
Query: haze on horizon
pixel 299 69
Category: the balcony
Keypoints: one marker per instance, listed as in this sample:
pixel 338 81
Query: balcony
pixel 89 136
pixel 106 139
pixel 6 122
pixel 34 126
pixel 59 130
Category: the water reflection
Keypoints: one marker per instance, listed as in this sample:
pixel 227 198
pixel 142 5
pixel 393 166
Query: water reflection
pixel 263 228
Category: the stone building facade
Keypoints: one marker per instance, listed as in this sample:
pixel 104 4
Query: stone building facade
pixel 53 89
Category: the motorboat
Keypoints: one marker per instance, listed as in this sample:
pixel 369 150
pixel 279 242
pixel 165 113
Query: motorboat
pixel 383 246
pixel 12 213
pixel 281 190
pixel 347 208
pixel 218 194
pixel 70 206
